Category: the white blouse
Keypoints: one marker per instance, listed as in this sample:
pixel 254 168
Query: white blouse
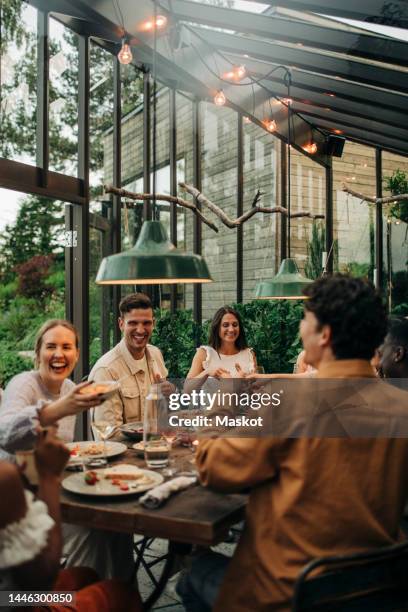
pixel 214 360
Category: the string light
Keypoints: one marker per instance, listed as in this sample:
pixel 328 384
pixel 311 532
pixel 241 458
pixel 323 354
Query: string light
pixel 270 125
pixel 219 98
pixel 148 26
pixel 125 54
pixel 310 147
pixel 236 73
pixel 247 119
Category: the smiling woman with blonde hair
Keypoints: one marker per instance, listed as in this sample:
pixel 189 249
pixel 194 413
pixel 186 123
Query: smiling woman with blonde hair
pixel 46 394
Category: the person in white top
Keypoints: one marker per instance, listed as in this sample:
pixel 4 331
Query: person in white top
pixel 227 354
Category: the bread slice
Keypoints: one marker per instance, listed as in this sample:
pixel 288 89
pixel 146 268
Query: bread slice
pixel 123 471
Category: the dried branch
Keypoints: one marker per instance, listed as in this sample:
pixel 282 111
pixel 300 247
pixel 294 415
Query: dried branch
pixel 373 199
pixel 231 223
pixel 123 193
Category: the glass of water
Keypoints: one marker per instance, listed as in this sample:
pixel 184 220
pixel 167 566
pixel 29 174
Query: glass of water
pixel 157 453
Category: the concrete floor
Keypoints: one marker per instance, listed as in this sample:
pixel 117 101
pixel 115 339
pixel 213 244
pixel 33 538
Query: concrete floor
pixel 169 599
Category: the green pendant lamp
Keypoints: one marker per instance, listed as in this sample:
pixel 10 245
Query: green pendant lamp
pixel 289 283
pixel 154 260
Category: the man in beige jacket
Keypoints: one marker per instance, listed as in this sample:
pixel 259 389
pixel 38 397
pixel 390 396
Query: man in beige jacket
pixel 336 479
pixel 133 362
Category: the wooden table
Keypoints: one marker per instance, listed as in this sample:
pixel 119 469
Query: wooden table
pixel 193 516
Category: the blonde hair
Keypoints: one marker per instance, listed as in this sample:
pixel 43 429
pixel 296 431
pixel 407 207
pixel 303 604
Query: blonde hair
pixel 50 324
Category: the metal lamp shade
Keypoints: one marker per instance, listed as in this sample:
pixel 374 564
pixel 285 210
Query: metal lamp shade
pixel 154 260
pixel 288 284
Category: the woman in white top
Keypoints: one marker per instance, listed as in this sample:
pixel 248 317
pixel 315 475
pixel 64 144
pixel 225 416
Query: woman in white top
pixel 46 393
pixel 227 354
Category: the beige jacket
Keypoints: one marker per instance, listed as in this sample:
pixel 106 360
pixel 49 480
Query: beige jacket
pixel 309 497
pixel 118 364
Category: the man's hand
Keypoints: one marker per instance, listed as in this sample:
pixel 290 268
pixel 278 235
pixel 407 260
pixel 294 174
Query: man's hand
pixel 166 387
pixel 51 454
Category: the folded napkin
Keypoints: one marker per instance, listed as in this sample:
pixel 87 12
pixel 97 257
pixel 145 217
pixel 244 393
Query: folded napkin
pixel 155 497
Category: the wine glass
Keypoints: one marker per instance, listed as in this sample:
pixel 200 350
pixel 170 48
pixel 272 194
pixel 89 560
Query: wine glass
pixel 104 430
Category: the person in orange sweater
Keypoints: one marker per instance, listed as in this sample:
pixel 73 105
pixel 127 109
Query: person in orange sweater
pixel 336 479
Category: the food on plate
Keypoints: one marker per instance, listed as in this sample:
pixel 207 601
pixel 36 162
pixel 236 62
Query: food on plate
pixel 91 449
pixel 95 389
pixel 123 471
pixel 91 478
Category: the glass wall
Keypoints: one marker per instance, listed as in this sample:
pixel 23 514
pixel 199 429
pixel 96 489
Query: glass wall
pixel 308 194
pixel 219 167
pixel 354 220
pixel 260 162
pixel 63 95
pixel 18 81
pixel 395 179
pixel 101 172
pixel 185 219
pixel 32 275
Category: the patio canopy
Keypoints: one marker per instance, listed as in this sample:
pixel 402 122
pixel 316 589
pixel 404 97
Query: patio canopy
pixel 348 78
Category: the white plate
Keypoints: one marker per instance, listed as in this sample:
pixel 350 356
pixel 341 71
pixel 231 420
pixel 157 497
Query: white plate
pixel 139 448
pixel 76 484
pixel 112 449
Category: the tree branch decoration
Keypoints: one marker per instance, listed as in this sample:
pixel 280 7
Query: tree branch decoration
pixel 162 197
pixel 231 223
pixel 201 199
pixel 373 199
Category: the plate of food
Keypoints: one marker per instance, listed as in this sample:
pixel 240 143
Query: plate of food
pixel 118 480
pixel 104 388
pixel 79 450
pixel 133 430
pixel 139 448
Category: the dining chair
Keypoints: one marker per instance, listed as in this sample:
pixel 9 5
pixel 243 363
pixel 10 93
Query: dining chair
pixel 372 581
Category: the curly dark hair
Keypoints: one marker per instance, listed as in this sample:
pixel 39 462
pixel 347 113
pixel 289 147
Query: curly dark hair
pixel 214 339
pixel 353 309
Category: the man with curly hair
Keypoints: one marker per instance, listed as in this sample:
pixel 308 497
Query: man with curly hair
pixel 334 482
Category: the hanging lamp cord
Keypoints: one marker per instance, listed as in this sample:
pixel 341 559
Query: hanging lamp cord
pixel 288 82
pixel 154 211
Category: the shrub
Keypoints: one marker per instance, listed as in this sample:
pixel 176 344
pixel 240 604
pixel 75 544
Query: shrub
pixel 32 276
pixel 11 363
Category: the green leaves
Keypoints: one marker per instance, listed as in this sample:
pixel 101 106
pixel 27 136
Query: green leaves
pixel 397 183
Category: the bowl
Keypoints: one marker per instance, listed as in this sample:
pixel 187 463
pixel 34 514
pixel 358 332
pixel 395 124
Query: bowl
pixel 104 388
pixel 133 430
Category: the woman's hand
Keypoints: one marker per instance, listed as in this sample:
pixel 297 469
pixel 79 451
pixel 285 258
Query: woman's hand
pixel 219 373
pixel 73 402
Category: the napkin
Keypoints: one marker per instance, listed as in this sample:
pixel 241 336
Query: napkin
pixel 157 496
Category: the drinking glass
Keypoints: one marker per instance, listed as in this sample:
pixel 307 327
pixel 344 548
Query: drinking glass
pixel 157 453
pixel 260 369
pixel 103 430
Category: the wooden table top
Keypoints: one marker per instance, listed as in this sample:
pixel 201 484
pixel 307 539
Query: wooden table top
pixel 195 515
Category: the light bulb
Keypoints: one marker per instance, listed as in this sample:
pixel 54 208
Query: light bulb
pixel 148 25
pixel 161 21
pixel 125 54
pixel 287 101
pixel 270 125
pixel 219 98
pixel 310 147
pixel 240 72
pixel 235 74
pixel 247 119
